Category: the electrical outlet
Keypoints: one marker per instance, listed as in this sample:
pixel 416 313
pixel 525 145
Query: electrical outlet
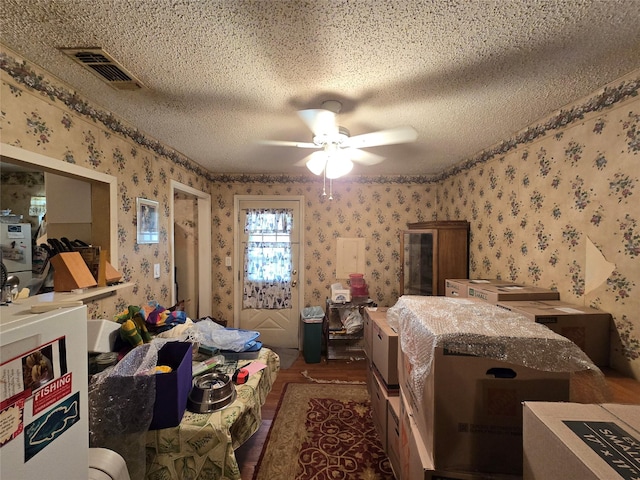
pixel 156 270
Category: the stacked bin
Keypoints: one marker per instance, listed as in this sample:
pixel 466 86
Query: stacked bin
pixel 359 287
pixel 312 318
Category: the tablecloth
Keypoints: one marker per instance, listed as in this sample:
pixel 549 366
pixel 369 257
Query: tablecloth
pixel 202 446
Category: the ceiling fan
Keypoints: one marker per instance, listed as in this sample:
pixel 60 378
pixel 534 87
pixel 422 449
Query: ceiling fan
pixel 336 149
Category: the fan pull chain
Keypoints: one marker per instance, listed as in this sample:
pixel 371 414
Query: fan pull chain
pixel 324 183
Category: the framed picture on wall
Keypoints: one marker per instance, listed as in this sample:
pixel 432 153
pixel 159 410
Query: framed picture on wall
pixel 147 220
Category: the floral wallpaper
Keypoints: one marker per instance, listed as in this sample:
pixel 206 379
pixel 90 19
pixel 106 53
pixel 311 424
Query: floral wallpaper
pixel 534 201
pixel 17 190
pixel 535 208
pixel 46 117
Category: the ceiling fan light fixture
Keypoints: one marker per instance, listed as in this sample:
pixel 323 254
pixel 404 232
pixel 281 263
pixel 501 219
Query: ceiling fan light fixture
pixel 317 162
pixel 337 148
pixel 338 166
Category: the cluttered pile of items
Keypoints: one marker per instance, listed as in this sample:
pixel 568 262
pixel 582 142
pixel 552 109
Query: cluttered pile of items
pixel 151 365
pixel 194 364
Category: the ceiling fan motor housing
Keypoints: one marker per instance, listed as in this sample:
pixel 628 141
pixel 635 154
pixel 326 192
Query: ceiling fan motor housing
pixel 326 138
pixel 332 105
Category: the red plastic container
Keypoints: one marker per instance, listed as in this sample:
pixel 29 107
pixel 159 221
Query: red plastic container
pixel 359 291
pixel 358 286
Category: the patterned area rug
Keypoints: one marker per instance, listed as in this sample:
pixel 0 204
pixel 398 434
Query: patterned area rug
pixel 323 432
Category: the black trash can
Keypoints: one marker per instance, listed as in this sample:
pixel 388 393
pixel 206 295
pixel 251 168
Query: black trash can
pixel 312 318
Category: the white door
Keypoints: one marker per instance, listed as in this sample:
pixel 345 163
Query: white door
pixel 277 327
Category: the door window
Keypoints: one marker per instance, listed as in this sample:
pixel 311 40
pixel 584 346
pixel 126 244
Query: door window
pixel 267 259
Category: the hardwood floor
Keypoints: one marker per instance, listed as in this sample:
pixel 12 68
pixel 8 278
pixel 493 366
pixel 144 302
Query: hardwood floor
pixel 622 389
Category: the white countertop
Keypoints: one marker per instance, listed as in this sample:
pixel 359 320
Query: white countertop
pixel 20 308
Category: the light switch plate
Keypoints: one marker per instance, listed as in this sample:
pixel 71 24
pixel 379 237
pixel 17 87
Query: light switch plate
pixel 156 270
pixel 227 261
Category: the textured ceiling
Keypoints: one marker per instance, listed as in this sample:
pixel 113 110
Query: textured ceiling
pixel 221 74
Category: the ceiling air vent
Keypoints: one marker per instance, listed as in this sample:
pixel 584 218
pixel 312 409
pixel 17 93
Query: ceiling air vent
pixel 102 64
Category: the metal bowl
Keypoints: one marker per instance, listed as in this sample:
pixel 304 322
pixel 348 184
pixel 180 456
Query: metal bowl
pixel 211 392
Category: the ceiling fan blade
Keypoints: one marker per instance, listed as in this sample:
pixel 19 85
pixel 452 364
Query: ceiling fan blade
pixel 365 158
pixel 303 162
pixel 284 143
pixel 319 121
pixel 384 137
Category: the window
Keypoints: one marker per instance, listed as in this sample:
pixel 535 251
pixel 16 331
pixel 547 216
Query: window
pixel 37 206
pixel 267 259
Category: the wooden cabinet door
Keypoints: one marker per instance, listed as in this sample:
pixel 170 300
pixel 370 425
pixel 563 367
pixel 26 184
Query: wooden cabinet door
pixel 430 253
pixel 418 262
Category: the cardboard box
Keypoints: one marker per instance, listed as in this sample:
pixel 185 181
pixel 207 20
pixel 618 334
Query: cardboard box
pixel 367 331
pixel 393 434
pixel 587 327
pixel 469 411
pixel 379 399
pixel 172 389
pixel 581 441
pixel 384 349
pixel 415 458
pixel 511 292
pixel 459 287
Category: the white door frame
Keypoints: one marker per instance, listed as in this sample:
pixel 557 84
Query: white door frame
pixel 204 246
pixel 237 297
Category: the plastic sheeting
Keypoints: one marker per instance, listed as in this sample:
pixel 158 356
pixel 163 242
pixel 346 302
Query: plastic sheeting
pixel 352 321
pixel 121 401
pixel 211 334
pixel 312 314
pixel 476 328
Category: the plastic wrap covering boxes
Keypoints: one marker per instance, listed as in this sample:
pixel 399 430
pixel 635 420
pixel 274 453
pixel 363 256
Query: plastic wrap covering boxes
pixel 586 327
pixel 582 442
pixel 465 367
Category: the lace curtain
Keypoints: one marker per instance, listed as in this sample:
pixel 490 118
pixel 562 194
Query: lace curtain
pixel 267 264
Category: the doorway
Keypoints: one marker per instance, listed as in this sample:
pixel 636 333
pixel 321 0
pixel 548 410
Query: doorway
pixel 278 327
pixel 191 249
